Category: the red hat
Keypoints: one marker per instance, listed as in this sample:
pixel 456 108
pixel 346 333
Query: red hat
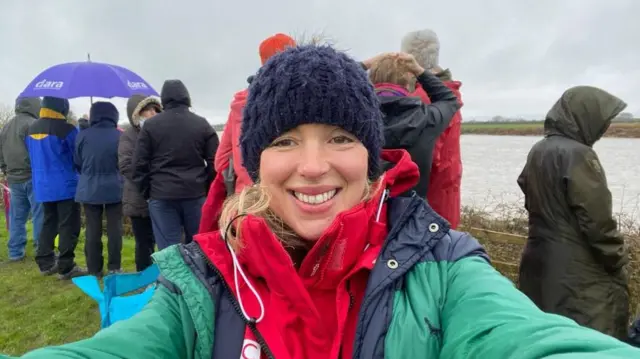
pixel 274 44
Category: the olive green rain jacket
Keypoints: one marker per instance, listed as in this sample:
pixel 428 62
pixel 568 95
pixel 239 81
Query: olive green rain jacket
pixel 574 262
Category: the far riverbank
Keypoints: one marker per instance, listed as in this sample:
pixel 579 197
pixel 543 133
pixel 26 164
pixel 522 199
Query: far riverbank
pixel 617 129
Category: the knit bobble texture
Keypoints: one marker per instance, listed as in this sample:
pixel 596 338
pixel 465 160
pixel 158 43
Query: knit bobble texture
pixel 310 84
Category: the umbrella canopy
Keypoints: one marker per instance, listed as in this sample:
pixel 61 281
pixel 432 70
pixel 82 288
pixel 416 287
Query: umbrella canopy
pixel 86 79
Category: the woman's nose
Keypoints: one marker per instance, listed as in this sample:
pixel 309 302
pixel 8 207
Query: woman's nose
pixel 313 163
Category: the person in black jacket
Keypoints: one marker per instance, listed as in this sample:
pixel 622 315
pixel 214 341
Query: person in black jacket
pixel 409 123
pixel 173 165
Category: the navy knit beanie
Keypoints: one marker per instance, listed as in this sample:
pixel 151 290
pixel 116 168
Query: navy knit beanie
pixel 59 105
pixel 310 84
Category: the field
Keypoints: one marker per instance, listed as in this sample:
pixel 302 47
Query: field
pixel 36 311
pixel 617 129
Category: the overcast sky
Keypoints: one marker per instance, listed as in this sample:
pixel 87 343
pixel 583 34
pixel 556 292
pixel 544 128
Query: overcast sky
pixel 513 59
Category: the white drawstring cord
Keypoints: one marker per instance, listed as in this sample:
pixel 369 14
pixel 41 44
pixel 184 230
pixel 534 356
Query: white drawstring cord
pixel 237 269
pixel 379 213
pixel 382 199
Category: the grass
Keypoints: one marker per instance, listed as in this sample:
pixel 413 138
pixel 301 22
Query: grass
pixel 37 311
pixel 617 129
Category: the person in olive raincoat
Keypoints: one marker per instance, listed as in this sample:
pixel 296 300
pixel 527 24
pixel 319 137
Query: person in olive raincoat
pixel 574 263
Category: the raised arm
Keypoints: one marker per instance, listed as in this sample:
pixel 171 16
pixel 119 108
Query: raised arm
pixel 444 103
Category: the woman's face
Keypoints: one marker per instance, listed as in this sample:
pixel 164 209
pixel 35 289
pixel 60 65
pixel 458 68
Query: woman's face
pixel 314 172
pixel 148 112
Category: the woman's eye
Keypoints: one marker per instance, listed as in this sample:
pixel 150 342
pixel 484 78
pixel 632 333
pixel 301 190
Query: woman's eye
pixel 341 140
pixel 282 143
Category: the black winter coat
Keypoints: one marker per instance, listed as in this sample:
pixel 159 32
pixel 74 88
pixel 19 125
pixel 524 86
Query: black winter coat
pixel 175 150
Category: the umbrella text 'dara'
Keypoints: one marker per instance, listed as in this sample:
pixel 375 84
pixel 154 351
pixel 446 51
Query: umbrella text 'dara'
pixel 87 79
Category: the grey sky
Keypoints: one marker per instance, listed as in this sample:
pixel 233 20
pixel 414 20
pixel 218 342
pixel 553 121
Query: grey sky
pixel 513 59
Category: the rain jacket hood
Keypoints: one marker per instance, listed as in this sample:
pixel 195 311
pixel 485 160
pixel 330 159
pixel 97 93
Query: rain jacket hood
pixel 104 114
pixel 14 157
pixel 28 106
pixel 136 104
pixel 174 94
pixel 583 113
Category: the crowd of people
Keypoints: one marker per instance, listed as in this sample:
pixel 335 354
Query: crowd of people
pixel 157 175
pixel 325 217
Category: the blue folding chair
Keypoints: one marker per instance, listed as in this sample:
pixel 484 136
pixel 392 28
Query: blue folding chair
pixel 113 303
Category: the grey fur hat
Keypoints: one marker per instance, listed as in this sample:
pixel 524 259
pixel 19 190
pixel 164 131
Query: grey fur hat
pixel 424 46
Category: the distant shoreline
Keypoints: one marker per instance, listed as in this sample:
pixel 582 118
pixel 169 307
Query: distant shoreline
pixel 617 129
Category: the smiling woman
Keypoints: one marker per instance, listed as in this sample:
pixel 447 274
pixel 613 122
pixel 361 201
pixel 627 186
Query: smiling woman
pixel 317 263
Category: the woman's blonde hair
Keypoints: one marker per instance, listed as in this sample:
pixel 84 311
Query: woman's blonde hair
pixel 255 200
pixel 393 70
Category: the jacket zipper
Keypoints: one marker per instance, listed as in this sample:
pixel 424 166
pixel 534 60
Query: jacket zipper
pixel 236 306
pixel 351 302
pixel 351 298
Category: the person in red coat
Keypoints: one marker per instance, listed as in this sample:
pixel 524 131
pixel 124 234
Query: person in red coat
pixel 446 170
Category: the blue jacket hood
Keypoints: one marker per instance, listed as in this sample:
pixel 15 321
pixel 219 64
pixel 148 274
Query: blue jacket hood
pixel 104 112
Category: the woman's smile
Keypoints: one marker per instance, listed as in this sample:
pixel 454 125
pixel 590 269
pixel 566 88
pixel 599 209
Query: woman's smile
pixel 314 201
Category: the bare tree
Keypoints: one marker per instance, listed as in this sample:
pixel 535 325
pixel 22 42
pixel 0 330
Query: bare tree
pixel 6 113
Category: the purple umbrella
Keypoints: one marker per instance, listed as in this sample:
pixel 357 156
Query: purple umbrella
pixel 87 79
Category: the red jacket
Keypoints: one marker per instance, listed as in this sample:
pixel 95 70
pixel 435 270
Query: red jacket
pixel 230 143
pixel 446 170
pixel 309 312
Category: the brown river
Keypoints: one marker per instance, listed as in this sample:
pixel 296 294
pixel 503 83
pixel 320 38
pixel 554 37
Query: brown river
pixel 491 165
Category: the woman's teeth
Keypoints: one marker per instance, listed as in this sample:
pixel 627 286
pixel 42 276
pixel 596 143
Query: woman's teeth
pixel 315 199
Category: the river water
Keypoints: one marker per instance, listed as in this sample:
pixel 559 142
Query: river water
pixel 491 165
